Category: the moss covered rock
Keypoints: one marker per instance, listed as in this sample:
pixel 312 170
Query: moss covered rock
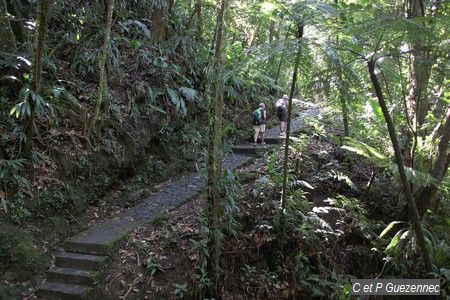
pixel 20 258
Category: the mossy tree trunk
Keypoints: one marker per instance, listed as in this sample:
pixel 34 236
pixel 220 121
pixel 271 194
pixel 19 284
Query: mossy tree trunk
pixel 199 21
pixel 158 31
pixel 420 70
pixel 340 84
pixel 426 198
pixel 7 39
pixel 214 154
pixel 401 170
pixel 17 24
pixel 103 77
pixel 281 213
pixel 42 19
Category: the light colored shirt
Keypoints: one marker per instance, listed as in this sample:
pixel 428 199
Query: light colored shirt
pixel 282 102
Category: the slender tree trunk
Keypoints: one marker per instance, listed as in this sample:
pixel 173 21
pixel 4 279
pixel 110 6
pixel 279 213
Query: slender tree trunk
pixel 199 21
pixel 279 68
pixel 343 102
pixel 7 39
pixel 281 226
pixel 214 155
pixel 254 35
pixel 401 170
pixel 42 18
pixel 103 77
pixel 420 70
pixel 277 75
pixel 271 31
pixel 17 24
pixel 41 32
pixel 288 124
pixel 342 99
pixel 426 198
pixel 158 23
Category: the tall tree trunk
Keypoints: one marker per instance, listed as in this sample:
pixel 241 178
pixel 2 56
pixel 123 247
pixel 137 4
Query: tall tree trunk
pixel 158 22
pixel 419 70
pixel 17 24
pixel 254 35
pixel 401 170
pixel 7 39
pixel 271 31
pixel 426 198
pixel 281 226
pixel 288 124
pixel 42 18
pixel 277 75
pixel 103 77
pixel 199 21
pixel 342 100
pixel 214 154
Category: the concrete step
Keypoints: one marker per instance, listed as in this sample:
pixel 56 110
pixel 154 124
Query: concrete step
pixel 69 275
pixel 248 149
pixel 78 260
pixel 85 247
pixel 57 290
pixel 274 140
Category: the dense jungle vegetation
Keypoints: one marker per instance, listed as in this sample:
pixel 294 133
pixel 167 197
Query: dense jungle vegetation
pixel 102 102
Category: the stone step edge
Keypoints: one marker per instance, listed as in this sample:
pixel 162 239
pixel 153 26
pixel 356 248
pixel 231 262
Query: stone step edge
pixel 63 289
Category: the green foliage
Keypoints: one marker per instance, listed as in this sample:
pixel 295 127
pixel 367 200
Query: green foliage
pixel 443 274
pixel 418 178
pixel 389 227
pixel 9 170
pixel 19 212
pixel 231 186
pixel 180 290
pixel 20 258
pixel 258 279
pixel 160 219
pixel 355 209
pixel 153 267
pixel 315 126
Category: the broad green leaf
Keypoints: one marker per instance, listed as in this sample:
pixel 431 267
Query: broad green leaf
pixel 394 240
pixel 340 176
pixel 306 184
pixel 160 62
pixel 10 77
pixel 173 95
pixel 377 110
pixel 365 150
pixel 25 92
pixel 188 93
pixel 156 108
pixel 13 110
pixel 389 227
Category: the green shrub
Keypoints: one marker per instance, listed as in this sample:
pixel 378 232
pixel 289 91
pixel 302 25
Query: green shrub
pixel 20 258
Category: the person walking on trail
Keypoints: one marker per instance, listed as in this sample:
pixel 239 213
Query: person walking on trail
pixel 259 124
pixel 282 112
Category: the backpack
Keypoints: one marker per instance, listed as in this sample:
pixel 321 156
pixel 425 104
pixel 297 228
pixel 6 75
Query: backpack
pixel 280 110
pixel 257 117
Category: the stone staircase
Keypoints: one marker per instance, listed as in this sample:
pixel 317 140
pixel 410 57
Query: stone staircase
pixel 72 277
pixel 79 263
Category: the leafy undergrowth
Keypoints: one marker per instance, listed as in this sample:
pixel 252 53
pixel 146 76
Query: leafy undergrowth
pixel 337 206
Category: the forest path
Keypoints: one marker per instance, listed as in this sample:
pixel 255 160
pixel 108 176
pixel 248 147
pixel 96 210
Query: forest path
pixel 78 263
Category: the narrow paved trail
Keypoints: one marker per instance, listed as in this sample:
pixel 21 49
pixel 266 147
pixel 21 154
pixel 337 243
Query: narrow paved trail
pixel 80 260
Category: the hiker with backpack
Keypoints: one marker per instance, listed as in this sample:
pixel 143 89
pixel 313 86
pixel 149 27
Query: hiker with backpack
pixel 282 112
pixel 259 124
